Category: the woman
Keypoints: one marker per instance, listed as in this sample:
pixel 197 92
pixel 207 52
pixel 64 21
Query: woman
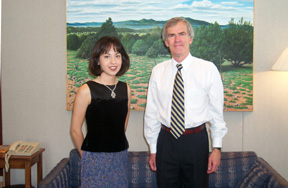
pixel 105 104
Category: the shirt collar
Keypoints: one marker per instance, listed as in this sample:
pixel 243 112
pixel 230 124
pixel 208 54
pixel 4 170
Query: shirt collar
pixel 185 63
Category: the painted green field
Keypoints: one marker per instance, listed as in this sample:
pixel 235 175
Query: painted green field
pixel 238 88
pixel 238 83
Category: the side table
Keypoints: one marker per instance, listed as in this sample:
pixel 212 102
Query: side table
pixel 23 162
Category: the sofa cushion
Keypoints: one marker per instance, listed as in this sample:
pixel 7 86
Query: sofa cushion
pixel 256 177
pixel 75 166
pixel 233 167
pixel 139 173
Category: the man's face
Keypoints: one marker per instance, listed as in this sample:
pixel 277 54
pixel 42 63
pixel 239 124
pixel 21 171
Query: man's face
pixel 178 41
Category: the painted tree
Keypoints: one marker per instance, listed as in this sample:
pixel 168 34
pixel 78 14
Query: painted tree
pixel 153 36
pixel 140 47
pixel 238 43
pixel 128 41
pixel 107 29
pixel 86 48
pixel 207 43
pixel 73 42
pixel 157 49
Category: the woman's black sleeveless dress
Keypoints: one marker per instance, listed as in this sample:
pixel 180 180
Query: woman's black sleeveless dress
pixel 104 160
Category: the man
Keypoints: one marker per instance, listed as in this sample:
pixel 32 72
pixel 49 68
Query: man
pixel 180 156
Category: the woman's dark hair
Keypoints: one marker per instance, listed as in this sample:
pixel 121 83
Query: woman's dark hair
pixel 102 46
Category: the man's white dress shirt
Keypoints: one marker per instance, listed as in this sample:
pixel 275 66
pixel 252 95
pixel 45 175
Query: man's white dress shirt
pixel 204 98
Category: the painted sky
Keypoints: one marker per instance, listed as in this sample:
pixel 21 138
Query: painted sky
pixel 121 10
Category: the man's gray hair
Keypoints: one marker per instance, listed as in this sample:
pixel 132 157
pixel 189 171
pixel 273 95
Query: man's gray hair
pixel 172 22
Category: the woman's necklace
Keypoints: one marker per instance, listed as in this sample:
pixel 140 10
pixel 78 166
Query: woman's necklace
pixel 113 94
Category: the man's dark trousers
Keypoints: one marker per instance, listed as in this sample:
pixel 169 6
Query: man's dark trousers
pixel 182 162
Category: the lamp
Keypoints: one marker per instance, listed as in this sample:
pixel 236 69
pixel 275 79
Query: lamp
pixel 282 62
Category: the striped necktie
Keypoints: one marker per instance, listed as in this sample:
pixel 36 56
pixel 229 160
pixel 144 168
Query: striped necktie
pixel 177 109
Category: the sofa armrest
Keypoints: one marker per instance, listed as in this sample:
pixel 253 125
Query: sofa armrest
pixel 58 176
pixel 276 180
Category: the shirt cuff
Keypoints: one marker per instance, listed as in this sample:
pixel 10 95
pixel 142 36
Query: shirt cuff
pixel 152 148
pixel 217 143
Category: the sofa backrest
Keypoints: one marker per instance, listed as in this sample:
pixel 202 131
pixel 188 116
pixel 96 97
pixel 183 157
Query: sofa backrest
pixel 232 169
pixel 139 172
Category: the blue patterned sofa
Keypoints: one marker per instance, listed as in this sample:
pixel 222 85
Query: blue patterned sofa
pixel 237 169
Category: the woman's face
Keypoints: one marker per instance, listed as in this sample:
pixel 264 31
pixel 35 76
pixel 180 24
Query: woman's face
pixel 110 62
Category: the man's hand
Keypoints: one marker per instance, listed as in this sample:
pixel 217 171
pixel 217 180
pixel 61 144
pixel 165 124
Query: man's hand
pixel 214 161
pixel 152 161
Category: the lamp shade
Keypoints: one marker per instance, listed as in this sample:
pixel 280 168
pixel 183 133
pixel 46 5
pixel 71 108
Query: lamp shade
pixel 282 62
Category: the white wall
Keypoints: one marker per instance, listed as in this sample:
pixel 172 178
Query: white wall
pixel 34 95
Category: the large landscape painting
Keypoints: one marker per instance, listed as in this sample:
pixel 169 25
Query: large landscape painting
pixel 223 35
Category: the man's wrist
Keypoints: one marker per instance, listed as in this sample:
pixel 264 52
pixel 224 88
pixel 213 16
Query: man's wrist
pixel 217 148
